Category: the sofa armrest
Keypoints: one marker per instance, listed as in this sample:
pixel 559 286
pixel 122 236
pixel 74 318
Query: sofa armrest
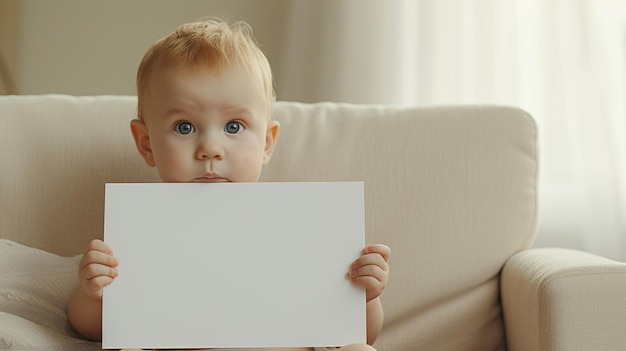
pixel 560 299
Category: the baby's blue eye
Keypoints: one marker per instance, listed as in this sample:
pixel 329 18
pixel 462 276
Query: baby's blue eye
pixel 184 128
pixel 233 127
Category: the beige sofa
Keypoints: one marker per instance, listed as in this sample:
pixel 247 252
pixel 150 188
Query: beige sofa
pixel 452 190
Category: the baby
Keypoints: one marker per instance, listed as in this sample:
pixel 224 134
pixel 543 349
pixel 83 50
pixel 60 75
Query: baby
pixel 205 96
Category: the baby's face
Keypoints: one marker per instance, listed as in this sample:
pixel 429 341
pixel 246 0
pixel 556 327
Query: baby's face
pixel 204 126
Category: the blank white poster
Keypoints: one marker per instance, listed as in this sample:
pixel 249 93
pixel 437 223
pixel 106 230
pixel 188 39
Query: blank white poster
pixel 234 265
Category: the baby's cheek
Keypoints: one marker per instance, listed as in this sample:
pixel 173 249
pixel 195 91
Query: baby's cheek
pixel 254 170
pixel 250 168
pixel 172 169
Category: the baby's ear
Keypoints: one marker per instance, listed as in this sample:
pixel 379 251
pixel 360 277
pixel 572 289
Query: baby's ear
pixel 142 140
pixel 270 140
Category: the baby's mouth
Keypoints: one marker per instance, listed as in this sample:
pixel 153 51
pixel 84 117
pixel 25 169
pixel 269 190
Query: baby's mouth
pixel 211 178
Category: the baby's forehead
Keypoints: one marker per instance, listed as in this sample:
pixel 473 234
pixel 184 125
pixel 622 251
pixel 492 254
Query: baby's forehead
pixel 166 79
pixel 174 71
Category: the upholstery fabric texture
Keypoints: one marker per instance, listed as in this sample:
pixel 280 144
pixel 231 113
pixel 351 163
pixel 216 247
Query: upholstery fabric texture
pixel 34 286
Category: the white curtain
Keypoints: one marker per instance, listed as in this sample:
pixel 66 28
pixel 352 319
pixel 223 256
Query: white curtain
pixel 563 61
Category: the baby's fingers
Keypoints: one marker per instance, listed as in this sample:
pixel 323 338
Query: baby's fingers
pixel 99 245
pixel 98 258
pixel 370 276
pixel 97 268
pixel 369 270
pixel 383 250
pixel 94 277
pixel 100 253
pixel 94 270
pixel 373 286
pixel 374 260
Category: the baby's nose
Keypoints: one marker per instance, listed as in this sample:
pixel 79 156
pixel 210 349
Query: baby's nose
pixel 210 148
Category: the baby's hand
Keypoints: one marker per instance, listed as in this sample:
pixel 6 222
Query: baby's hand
pixel 371 270
pixel 97 269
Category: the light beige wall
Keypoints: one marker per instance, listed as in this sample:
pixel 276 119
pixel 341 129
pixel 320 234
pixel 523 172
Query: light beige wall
pixel 8 45
pixel 94 47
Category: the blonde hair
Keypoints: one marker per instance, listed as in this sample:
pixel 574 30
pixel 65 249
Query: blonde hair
pixel 212 44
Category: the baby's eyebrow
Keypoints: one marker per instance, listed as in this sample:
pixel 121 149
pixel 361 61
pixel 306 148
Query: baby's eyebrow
pixel 181 108
pixel 236 110
pixel 176 111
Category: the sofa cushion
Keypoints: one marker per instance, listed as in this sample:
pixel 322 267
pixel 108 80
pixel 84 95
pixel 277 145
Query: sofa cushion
pixel 33 295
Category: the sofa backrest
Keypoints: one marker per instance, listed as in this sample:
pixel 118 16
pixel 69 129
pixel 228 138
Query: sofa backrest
pixel 452 191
